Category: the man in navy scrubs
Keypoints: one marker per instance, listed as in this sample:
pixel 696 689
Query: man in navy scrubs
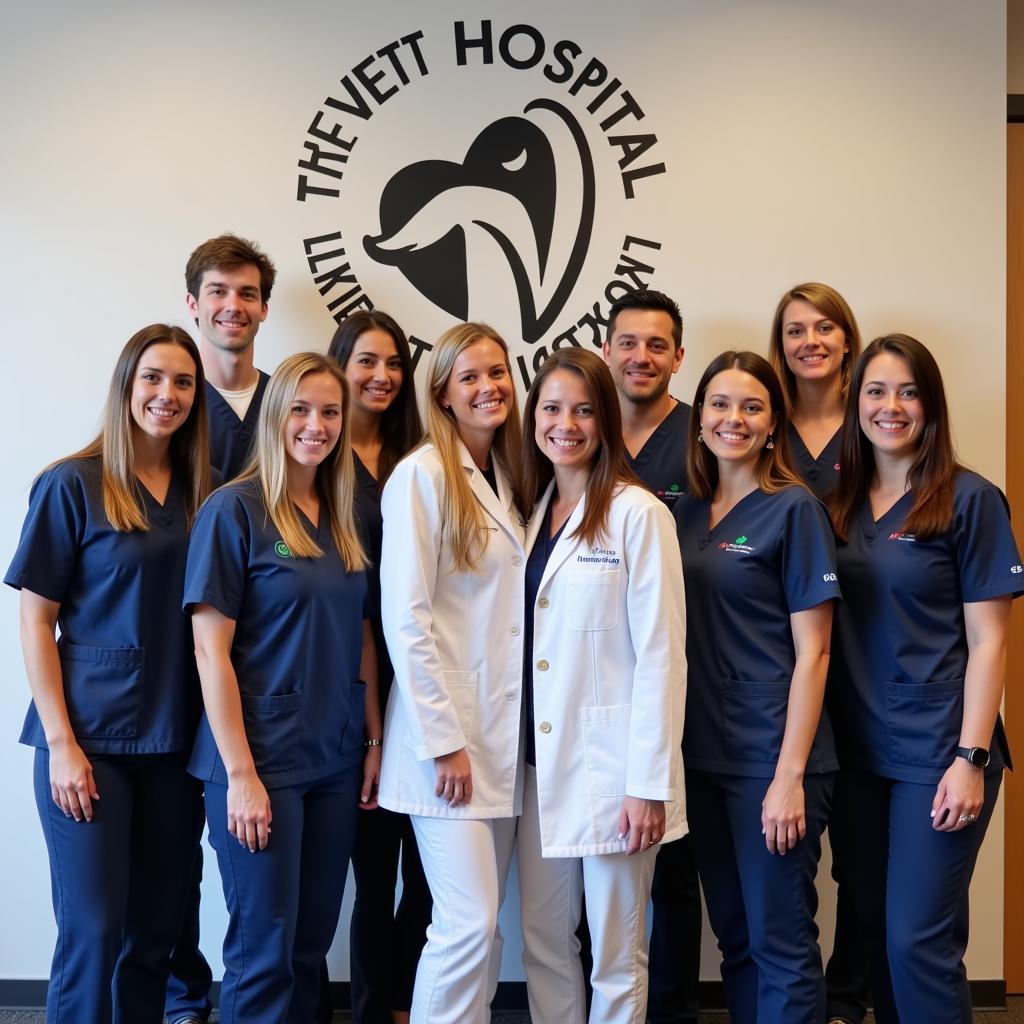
pixel 228 281
pixel 644 348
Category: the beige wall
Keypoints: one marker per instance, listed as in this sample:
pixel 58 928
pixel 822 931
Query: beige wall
pixel 860 144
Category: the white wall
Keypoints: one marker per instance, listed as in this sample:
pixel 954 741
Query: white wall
pixel 859 144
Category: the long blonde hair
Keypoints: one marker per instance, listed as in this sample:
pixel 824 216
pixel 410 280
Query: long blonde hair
pixel 335 476
pixel 123 503
pixel 462 519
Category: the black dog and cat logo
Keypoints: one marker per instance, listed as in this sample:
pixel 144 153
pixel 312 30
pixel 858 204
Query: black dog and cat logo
pixel 482 174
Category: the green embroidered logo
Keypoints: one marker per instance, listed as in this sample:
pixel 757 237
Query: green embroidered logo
pixel 675 488
pixel 741 540
pixel 280 548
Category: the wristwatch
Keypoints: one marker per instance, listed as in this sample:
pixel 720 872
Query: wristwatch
pixel 979 757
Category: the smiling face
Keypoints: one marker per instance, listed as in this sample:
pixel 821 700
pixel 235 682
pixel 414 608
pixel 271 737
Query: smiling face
pixel 374 371
pixel 813 345
pixel 642 355
pixel 229 308
pixel 163 390
pixel 889 406
pixel 479 389
pixel 566 428
pixel 736 417
pixel 314 419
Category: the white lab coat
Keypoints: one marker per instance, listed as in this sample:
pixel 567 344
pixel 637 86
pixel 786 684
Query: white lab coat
pixel 609 676
pixel 455 639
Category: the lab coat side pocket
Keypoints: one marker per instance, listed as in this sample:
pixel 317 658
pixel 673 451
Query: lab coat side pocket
pixel 593 598
pixel 102 690
pixel 605 741
pixel 272 727
pixel 462 689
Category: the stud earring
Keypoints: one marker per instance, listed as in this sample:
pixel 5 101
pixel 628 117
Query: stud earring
pixel 700 437
pixel 771 444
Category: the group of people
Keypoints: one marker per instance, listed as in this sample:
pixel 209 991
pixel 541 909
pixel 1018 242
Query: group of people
pixel 289 608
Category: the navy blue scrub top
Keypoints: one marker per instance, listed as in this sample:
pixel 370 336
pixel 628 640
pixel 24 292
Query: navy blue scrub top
pixel 535 566
pixel 231 437
pixel 370 524
pixel 661 463
pixel 129 674
pixel 770 556
pixel 820 474
pixel 297 644
pixel 899 656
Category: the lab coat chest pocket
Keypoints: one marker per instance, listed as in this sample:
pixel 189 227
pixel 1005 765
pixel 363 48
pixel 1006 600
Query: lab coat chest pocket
pixel 924 721
pixel 593 596
pixel 102 689
pixel 272 727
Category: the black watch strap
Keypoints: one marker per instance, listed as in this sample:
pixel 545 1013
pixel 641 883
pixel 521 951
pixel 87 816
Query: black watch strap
pixel 979 757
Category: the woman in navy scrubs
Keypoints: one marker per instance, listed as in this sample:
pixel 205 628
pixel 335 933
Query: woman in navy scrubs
pixel 384 943
pixel 452 582
pixel 278 597
pixel 759 565
pixel 115 698
pixel 814 346
pixel 929 567
pixel 604 687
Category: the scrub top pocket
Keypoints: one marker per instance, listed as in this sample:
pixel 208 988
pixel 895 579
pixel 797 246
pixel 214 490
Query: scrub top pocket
pixel 593 598
pixel 272 726
pixel 754 719
pixel 924 721
pixel 102 690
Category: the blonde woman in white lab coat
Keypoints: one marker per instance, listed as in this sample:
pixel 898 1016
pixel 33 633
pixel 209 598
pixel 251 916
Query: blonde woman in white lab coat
pixel 605 688
pixel 452 603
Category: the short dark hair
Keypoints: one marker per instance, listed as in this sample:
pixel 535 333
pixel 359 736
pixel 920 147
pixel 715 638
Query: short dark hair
pixel 226 252
pixel 659 302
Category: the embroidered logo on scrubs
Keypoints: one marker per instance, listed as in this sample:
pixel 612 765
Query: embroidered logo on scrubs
pixel 902 536
pixel 1016 569
pixel 282 549
pixel 739 544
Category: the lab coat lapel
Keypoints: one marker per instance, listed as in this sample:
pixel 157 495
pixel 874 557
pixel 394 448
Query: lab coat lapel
pixel 533 527
pixel 566 545
pixel 498 506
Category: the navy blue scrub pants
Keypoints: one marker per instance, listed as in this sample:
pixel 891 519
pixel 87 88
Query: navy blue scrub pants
pixel 283 901
pixel 910 887
pixel 188 986
pixel 761 905
pixel 385 943
pixel 677 922
pixel 118 885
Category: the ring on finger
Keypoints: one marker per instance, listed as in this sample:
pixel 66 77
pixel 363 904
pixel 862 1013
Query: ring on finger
pixel 968 819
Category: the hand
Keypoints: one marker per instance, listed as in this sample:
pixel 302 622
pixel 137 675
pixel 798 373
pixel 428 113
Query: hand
pixel 783 822
pixel 454 777
pixel 72 785
pixel 371 778
pixel 959 794
pixel 643 821
pixel 249 814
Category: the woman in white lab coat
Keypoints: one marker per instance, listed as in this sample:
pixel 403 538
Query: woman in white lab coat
pixel 452 604
pixel 604 695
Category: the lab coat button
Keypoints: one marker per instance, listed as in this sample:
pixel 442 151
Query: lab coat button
pixel 543 602
pixel 542 665
pixel 511 695
pixel 514 630
pixel 545 727
pixel 517 561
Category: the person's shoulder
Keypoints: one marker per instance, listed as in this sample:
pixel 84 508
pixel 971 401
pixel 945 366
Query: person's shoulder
pixel 422 460
pixel 633 497
pixel 967 483
pixel 796 496
pixel 77 474
pixel 236 496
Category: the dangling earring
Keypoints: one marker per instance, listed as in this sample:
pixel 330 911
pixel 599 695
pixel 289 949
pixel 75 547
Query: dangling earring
pixel 700 436
pixel 771 444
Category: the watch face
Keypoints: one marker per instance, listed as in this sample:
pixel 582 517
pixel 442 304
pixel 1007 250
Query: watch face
pixel 979 757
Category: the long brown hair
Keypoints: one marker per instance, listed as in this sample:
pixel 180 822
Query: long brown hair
pixel 932 473
pixel 335 476
pixel 189 449
pixel 609 470
pixel 774 470
pixel 827 301
pixel 400 424
pixel 462 517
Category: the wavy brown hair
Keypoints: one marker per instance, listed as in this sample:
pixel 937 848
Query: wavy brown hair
pixel 932 473
pixel 609 470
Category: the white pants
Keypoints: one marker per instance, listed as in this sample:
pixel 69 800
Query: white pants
pixel 466 863
pixel 550 891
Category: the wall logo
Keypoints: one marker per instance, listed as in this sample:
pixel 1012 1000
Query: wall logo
pixel 474 172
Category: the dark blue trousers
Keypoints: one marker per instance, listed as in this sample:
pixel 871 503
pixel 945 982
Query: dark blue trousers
pixel 677 922
pixel 118 885
pixel 385 943
pixel 283 902
pixel 910 889
pixel 188 986
pixel 761 905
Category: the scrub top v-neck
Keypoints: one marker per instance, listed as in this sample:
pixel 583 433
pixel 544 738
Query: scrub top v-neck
pixel 231 437
pixel 821 474
pixel 297 643
pixel 129 676
pixel 661 462
pixel 771 555
pixel 896 680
